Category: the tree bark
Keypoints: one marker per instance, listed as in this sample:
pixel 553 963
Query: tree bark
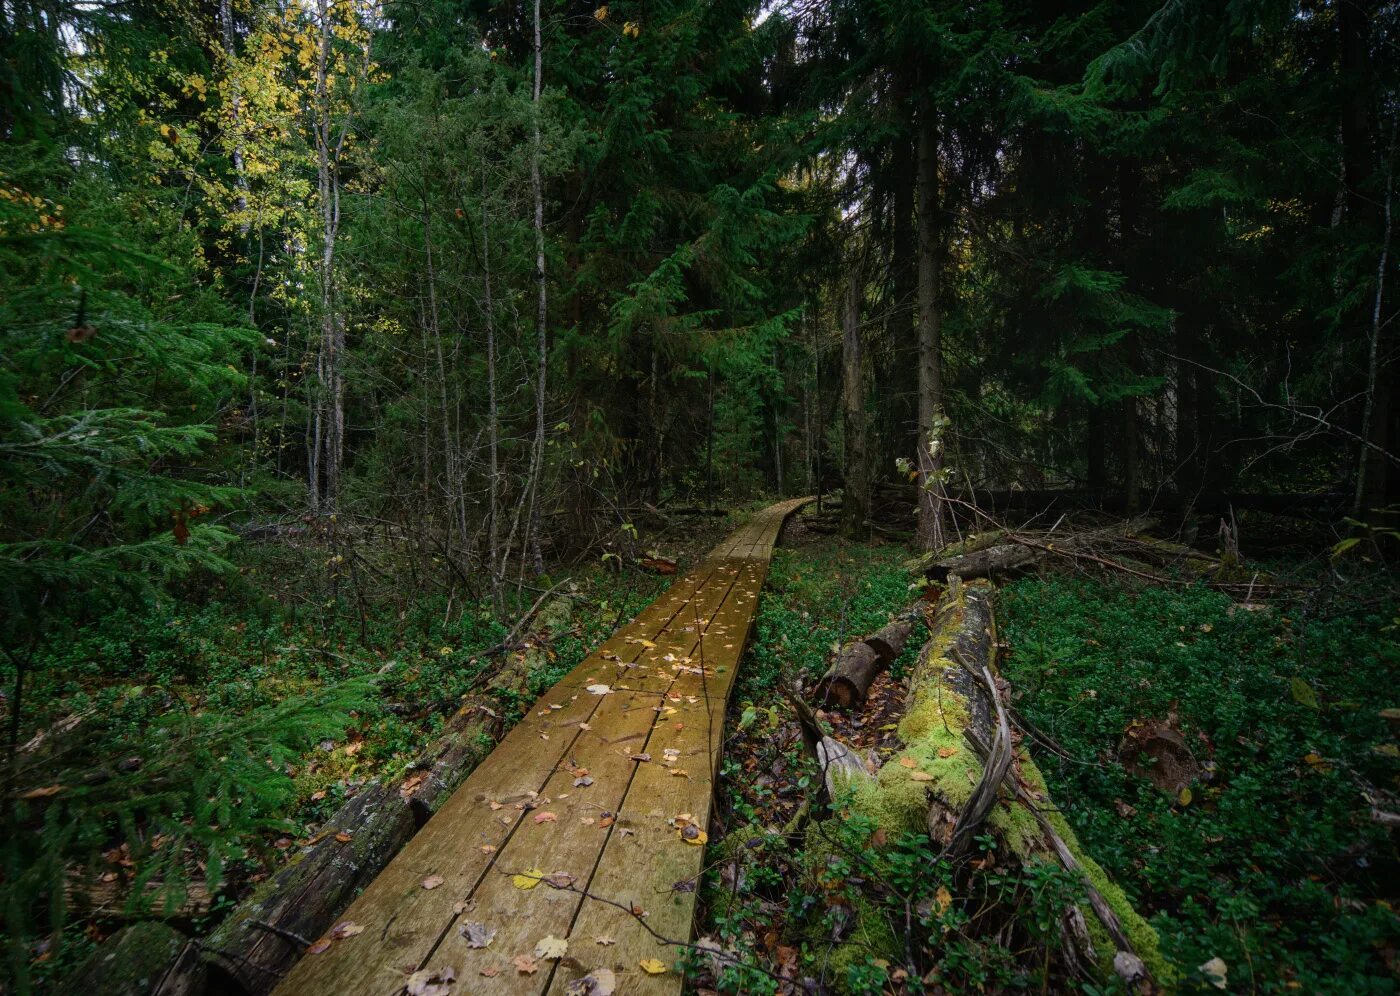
pixel 856 504
pixel 541 311
pixel 931 434
pixel 144 959
pixel 847 681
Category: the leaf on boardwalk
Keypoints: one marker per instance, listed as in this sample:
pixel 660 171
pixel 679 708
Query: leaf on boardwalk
pixel 431 982
pixel 478 935
pixel 551 948
pixel 600 689
pixel 433 881
pixel 320 947
pixel 583 782
pixel 560 880
pixel 527 879
pixel 346 928
pixel 652 966
pixel 525 965
pixel 692 834
pixel 599 982
pixel 545 817
pixel 641 757
pixel 604 940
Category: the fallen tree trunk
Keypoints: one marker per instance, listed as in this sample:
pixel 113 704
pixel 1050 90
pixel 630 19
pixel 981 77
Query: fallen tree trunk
pixel 264 936
pixel 144 959
pixel 959 754
pixel 1008 560
pixel 847 681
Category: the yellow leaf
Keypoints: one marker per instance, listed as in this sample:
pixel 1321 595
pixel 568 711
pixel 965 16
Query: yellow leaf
pixel 652 967
pixel 943 898
pixel 527 879
pixel 1184 797
pixel 920 776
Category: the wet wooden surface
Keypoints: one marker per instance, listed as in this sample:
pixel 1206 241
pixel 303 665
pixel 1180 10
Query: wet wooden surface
pixel 592 790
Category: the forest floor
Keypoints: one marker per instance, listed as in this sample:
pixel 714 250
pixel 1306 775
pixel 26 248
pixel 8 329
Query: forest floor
pixel 1272 864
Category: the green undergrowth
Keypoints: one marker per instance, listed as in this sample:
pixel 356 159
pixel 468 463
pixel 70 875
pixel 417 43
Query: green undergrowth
pixel 265 697
pixel 853 902
pixel 1270 861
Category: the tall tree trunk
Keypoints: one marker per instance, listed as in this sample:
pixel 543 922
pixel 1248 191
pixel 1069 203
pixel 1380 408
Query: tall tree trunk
pixel 541 310
pixel 493 412
pixel 931 431
pixel 1372 493
pixel 856 505
pixel 1094 451
pixel 330 401
pixel 1132 464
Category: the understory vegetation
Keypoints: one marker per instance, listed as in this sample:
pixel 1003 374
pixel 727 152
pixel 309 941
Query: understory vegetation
pixel 1270 862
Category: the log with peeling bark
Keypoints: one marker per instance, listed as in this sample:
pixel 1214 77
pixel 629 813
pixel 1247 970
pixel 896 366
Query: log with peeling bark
pixel 265 935
pixel 847 681
pixel 963 773
pixel 1008 560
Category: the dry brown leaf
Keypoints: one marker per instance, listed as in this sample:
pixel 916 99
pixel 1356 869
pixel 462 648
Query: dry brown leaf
pixel 525 965
pixel 433 881
pixel 545 817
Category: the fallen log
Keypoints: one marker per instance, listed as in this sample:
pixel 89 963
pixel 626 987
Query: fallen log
pixel 847 681
pixel 144 959
pixel 1007 560
pixel 963 773
pixel 264 936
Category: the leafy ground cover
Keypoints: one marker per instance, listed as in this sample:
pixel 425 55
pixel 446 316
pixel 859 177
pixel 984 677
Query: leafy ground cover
pixel 206 735
pixel 1269 863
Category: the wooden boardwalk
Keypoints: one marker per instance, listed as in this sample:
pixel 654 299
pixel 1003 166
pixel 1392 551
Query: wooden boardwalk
pixel 585 790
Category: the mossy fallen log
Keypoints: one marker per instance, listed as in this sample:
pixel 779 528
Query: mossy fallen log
pixel 144 959
pixel 962 773
pixel 264 936
pixel 1009 560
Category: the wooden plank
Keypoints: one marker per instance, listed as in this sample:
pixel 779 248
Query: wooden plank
pixel 659 697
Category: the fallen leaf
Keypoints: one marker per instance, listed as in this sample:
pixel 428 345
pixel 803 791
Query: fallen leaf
pixel 606 821
pixel 641 757
pixel 920 776
pixel 490 972
pixel 604 940
pixel 600 689
pixel 583 782
pixel 320 946
pixel 346 928
pixel 431 982
pixel 343 837
pixel 943 898
pixel 527 879
pixel 692 834
pixel 545 817
pixel 1184 797
pixel 1216 972
pixel 551 948
pixel 560 880
pixel 652 967
pixel 495 805
pixel 599 982
pixel 433 881
pixel 488 848
pixel 525 965
pixel 678 773
pixel 908 762
pixel 478 935
pixel 947 751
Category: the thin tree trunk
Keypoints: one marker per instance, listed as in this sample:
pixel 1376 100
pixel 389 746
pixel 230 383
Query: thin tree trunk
pixel 1372 470
pixel 931 432
pixel 857 501
pixel 329 417
pixel 451 487
pixel 236 114
pixel 542 310
pixel 493 412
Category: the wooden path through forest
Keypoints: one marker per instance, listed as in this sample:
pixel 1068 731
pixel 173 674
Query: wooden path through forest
pixel 585 791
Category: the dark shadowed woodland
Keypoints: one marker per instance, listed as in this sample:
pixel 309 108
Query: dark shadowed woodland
pixel 914 486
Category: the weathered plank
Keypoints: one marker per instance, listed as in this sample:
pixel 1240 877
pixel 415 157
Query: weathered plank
pixel 585 786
